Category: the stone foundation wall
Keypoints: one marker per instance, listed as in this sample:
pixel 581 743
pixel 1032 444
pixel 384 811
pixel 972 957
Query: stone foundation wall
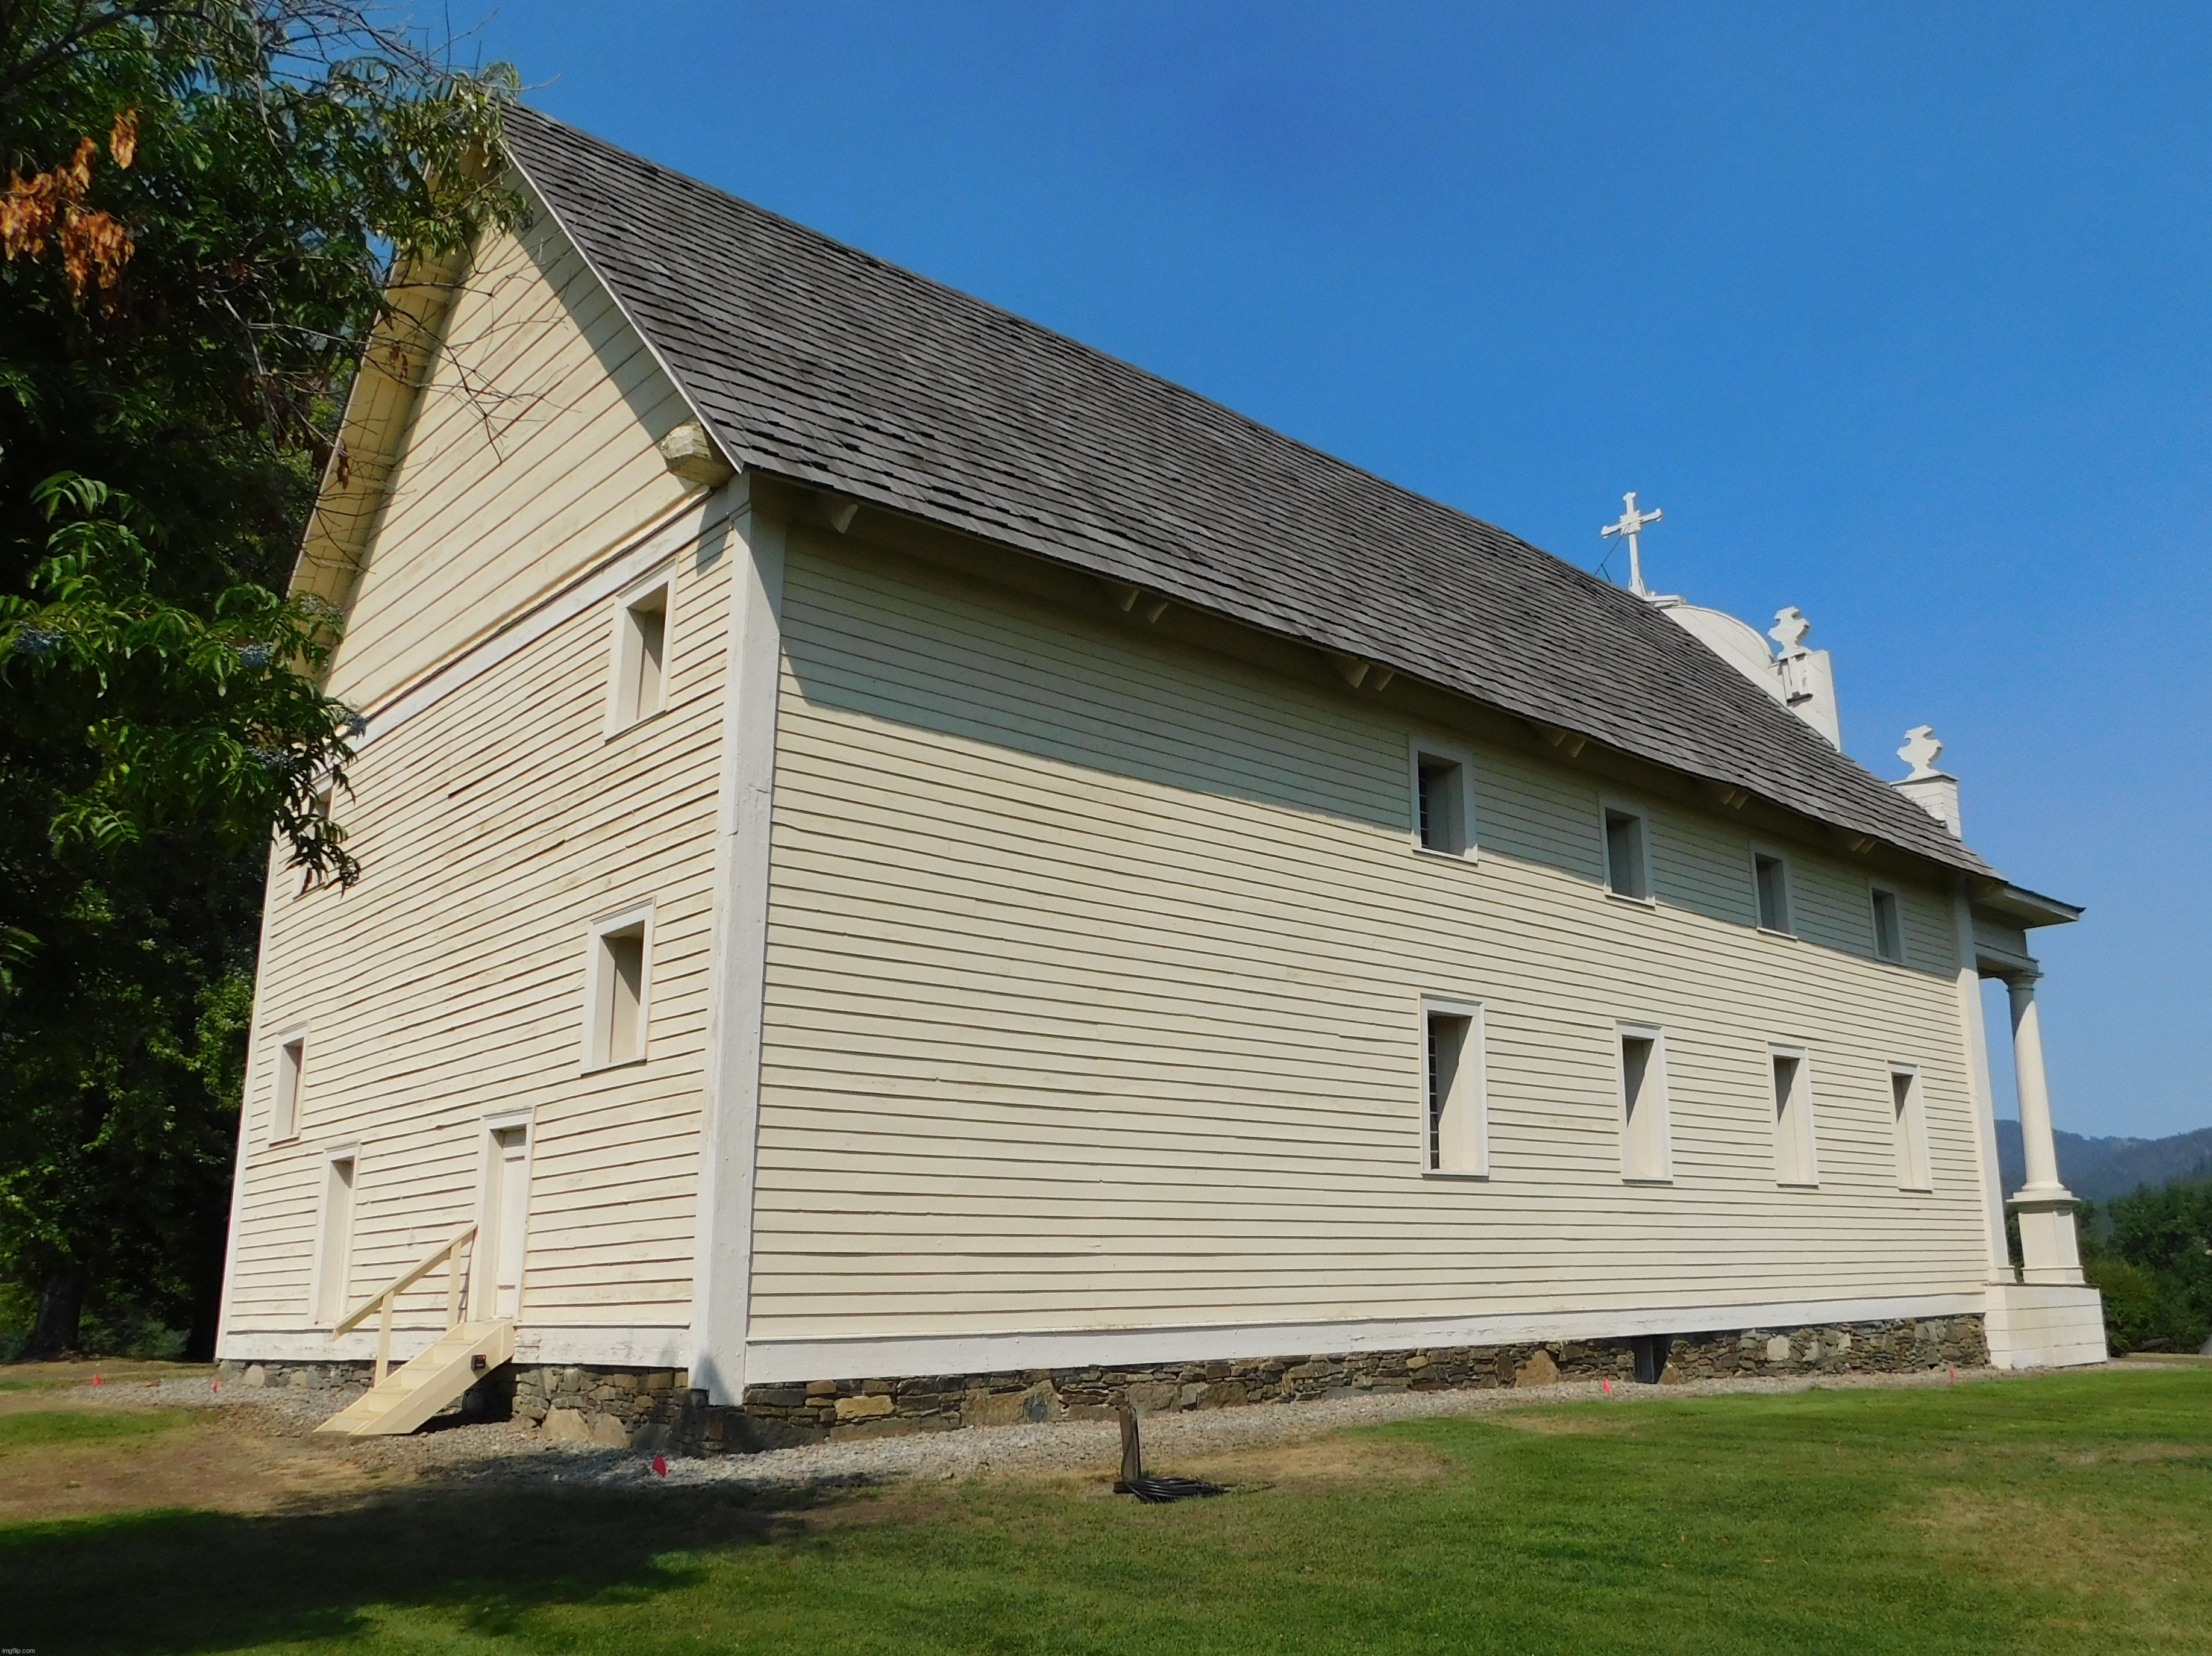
pixel 653 1409
pixel 776 1416
pixel 615 1407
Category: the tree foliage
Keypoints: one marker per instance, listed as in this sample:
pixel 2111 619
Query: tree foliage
pixel 2151 1253
pixel 205 201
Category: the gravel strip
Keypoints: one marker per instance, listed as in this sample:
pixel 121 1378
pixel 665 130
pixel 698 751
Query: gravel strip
pixel 1095 1445
pixel 499 1453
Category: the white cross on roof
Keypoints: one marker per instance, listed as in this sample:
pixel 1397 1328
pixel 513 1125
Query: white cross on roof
pixel 1631 521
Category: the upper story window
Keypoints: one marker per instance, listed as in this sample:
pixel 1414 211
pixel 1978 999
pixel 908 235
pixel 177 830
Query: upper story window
pixel 640 685
pixel 618 980
pixel 1627 853
pixel 1888 925
pixel 284 1096
pixel 1770 874
pixel 1443 781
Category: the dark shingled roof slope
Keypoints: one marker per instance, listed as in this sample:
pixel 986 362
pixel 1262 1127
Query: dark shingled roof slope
pixel 814 361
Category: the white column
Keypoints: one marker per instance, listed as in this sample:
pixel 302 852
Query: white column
pixel 2050 1251
pixel 2034 1092
pixel 1979 1090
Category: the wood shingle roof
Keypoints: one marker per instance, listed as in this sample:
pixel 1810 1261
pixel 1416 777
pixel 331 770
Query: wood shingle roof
pixel 814 361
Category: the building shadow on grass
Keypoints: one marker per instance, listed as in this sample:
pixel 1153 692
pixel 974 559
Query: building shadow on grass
pixel 176 1581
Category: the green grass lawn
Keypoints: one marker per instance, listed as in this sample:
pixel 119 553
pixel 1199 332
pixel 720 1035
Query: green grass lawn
pixel 2053 1514
pixel 31 1429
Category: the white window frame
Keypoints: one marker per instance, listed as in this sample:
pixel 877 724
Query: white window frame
pixel 282 1132
pixel 317 1285
pixel 1875 892
pixel 1469 1100
pixel 1776 854
pixel 597 1030
pixel 624 644
pixel 482 1290
pixel 1608 808
pixel 1654 1077
pixel 1418 747
pixel 1798 1120
pixel 1909 1126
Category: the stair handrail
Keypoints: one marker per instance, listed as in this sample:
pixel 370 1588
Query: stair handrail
pixel 449 1252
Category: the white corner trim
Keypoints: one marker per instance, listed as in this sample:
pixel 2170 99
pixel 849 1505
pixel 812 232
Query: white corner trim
pixel 722 1267
pixel 881 1357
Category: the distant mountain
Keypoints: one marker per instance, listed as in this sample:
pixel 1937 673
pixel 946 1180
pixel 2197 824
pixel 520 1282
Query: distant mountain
pixel 2099 1169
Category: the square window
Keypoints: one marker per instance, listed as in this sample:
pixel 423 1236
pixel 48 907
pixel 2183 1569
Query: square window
pixel 1771 876
pixel 1909 1115
pixel 1888 925
pixel 1644 1151
pixel 284 1101
pixel 639 658
pixel 1793 1119
pixel 1458 1139
pixel 1627 854
pixel 620 996
pixel 1443 813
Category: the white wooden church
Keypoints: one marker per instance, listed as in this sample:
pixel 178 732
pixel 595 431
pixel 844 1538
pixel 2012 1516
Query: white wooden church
pixel 899 846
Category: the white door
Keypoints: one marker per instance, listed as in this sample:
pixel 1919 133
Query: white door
pixel 510 1216
pixel 335 1267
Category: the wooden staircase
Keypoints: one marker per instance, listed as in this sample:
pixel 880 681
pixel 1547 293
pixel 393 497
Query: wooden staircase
pixel 402 1400
pixel 414 1390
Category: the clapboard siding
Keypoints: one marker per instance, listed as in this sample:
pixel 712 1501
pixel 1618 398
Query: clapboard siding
pixel 530 456
pixel 1094 961
pixel 493 822
pixel 1094 974
pixel 449 986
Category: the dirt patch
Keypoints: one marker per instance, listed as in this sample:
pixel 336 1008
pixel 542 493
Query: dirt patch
pixel 1341 1460
pixel 2130 1454
pixel 201 1462
pixel 2080 1549
pixel 1575 1425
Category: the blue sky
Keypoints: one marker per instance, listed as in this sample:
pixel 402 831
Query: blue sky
pixel 1899 313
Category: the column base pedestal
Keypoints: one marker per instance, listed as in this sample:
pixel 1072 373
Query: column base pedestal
pixel 2050 1253
pixel 2045 1325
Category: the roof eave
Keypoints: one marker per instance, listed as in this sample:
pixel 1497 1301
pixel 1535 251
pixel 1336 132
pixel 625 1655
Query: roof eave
pixel 2027 909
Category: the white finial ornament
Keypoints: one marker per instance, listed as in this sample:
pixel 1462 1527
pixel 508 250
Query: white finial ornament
pixel 1631 521
pixel 1921 751
pixel 1790 629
